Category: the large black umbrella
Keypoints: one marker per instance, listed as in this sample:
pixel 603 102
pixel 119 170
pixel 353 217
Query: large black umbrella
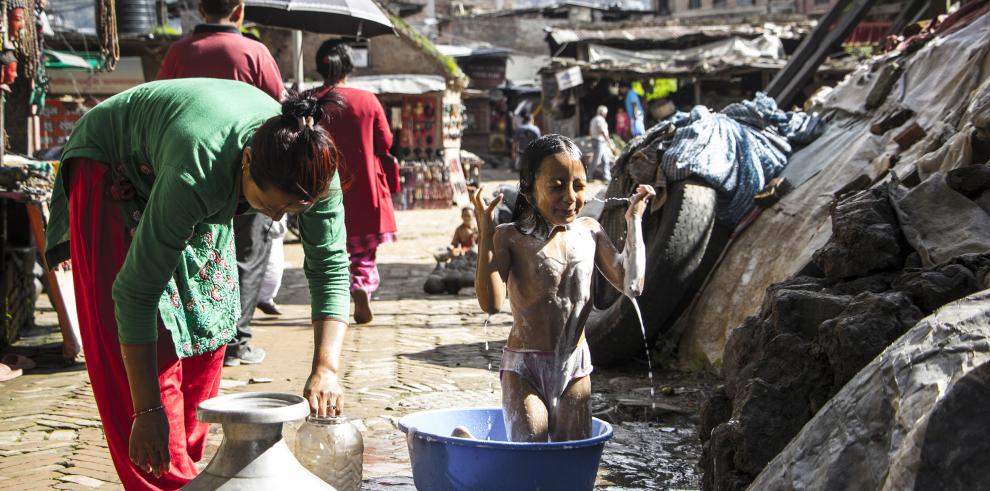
pixel 360 18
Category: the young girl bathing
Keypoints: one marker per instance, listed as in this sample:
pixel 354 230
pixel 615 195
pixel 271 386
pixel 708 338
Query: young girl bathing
pixel 547 258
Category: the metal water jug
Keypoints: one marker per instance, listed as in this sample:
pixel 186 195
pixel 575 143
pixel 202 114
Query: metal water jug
pixel 253 456
pixel 333 449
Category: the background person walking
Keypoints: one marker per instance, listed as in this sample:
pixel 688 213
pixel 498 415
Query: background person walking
pixel 364 138
pixel 634 108
pixel 601 141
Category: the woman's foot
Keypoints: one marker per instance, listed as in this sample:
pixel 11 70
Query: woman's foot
pixel 362 307
pixel 462 432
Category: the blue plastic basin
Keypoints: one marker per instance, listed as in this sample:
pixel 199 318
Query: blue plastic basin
pixel 441 462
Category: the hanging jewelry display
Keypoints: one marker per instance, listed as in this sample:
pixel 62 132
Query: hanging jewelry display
pixel 106 27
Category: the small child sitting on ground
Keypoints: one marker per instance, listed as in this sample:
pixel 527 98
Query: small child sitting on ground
pixel 456 263
pixel 546 259
pixel 466 234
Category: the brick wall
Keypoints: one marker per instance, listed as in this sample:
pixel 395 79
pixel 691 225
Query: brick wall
pixel 521 34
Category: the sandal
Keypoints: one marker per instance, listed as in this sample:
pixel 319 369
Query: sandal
pixel 6 373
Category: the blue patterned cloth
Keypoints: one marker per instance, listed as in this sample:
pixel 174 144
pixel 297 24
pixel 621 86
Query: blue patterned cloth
pixel 736 151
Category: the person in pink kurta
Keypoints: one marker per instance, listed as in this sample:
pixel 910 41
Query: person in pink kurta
pixel 362 134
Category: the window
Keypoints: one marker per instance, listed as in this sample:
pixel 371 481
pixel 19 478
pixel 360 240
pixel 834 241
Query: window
pixel 744 3
pixel 718 3
pixel 694 4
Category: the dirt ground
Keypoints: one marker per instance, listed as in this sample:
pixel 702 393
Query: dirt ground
pixel 421 352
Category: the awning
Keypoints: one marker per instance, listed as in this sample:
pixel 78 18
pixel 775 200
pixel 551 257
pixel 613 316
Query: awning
pixel 61 59
pixel 399 84
pixel 648 33
pixel 766 47
pixel 456 51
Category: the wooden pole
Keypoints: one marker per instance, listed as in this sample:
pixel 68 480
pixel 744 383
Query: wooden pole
pixel 71 343
pixel 297 56
pixel 833 28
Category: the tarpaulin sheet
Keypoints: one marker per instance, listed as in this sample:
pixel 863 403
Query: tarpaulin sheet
pixel 939 78
pixel 939 222
pixel 843 140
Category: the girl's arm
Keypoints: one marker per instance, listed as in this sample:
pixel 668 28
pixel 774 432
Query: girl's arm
pixel 489 280
pixel 626 272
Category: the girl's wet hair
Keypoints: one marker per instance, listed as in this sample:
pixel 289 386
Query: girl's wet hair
pixel 533 155
pixel 292 152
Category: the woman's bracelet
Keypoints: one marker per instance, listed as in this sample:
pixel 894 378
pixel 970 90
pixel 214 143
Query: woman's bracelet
pixel 159 407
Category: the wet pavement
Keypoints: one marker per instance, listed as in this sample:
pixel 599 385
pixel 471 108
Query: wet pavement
pixel 421 352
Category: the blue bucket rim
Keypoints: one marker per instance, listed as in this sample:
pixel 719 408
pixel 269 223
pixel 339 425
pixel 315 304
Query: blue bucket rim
pixel 516 446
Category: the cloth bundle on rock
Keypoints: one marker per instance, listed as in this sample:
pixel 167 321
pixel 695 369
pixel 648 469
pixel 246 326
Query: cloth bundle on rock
pixel 738 150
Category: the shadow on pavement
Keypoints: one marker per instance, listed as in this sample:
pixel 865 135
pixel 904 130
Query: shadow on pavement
pixel 399 281
pixel 47 357
pixel 466 355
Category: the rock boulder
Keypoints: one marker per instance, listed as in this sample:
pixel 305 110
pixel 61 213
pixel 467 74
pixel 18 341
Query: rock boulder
pixel 913 419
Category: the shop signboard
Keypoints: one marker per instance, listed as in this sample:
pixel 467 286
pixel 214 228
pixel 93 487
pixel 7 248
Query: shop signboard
pixel 570 78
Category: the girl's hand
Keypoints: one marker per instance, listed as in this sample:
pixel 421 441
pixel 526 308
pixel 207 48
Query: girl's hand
pixel 637 204
pixel 148 446
pixel 484 214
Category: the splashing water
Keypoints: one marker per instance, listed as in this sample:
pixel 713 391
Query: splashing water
pixel 491 384
pixel 646 345
pixel 606 200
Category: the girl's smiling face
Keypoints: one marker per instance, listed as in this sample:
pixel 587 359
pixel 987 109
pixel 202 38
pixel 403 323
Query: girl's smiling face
pixel 559 188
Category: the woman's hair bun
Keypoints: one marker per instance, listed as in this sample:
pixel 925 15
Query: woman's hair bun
pixel 303 105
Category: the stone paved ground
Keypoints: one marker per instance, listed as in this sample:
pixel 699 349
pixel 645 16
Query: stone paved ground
pixel 421 352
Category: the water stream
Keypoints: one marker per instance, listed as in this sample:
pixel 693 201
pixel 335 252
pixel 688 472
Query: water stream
pixel 646 345
pixel 487 320
pixel 491 383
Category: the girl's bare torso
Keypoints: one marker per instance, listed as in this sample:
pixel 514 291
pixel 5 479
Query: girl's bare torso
pixel 549 285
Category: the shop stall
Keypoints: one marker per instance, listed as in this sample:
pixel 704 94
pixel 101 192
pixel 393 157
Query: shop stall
pixel 427 121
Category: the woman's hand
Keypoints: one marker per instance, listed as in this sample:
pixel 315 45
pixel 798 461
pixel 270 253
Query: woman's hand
pixel 637 204
pixel 324 393
pixel 484 214
pixel 148 448
pixel 323 390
